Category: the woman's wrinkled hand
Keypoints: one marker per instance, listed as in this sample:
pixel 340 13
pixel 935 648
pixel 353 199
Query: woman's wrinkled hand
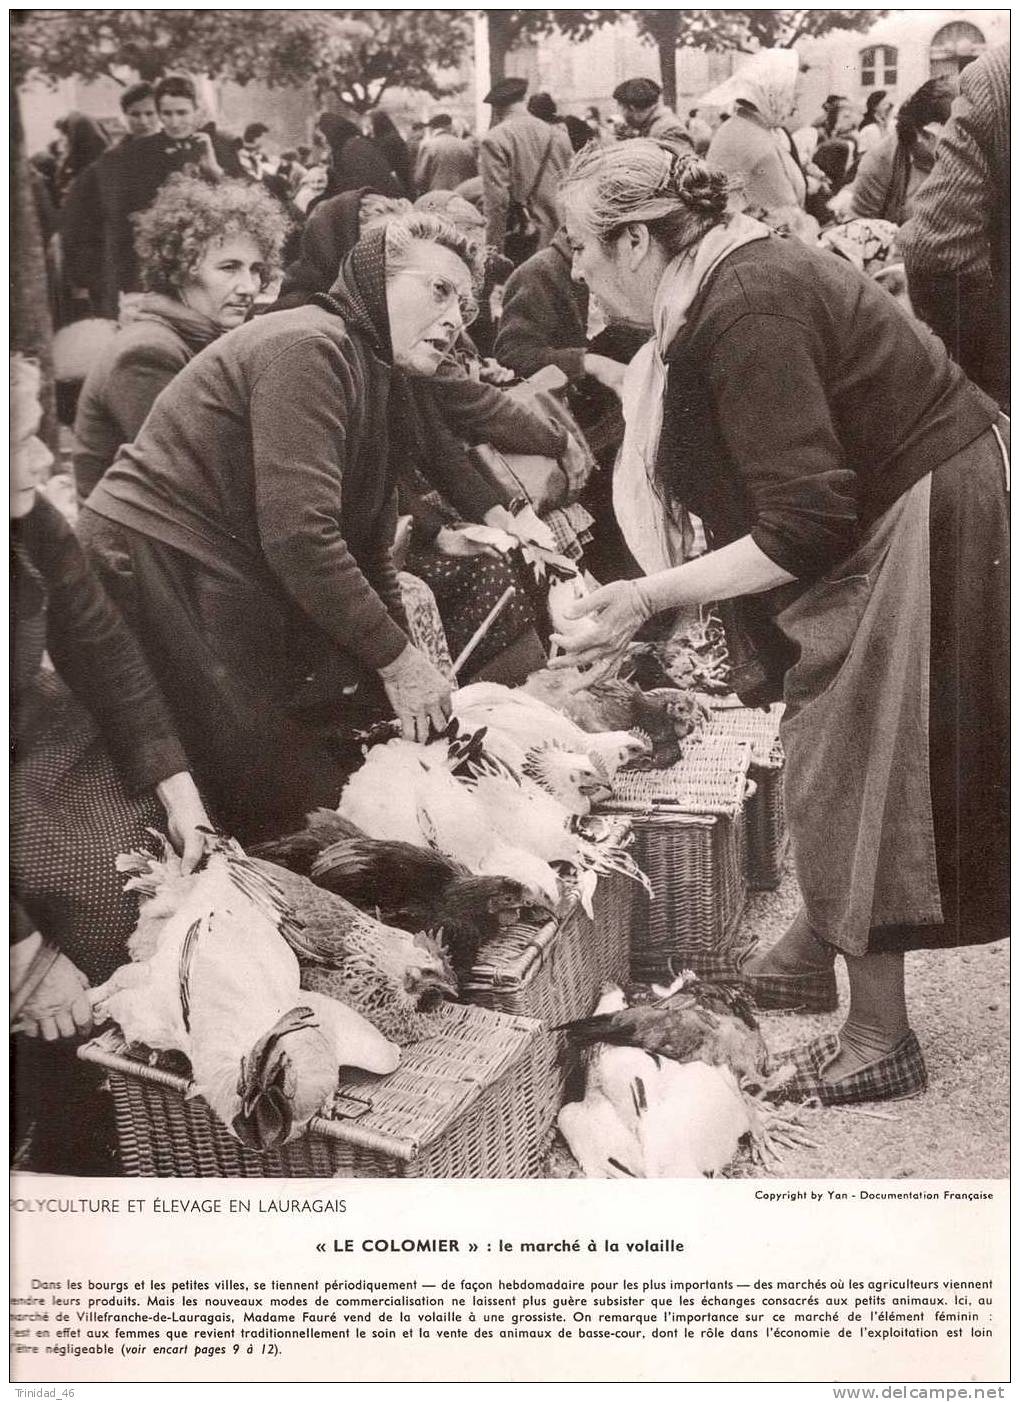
pixel 59 1006
pixel 608 618
pixel 187 822
pixel 418 693
pixel 452 540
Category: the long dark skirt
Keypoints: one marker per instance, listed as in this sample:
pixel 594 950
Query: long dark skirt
pixel 466 588
pixel 269 730
pixel 896 721
pixel 969 702
pixel 71 817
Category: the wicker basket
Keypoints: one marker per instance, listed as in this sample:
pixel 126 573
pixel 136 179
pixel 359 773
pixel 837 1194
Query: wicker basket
pixel 469 1102
pixel 556 973
pixel 767 837
pixel 690 839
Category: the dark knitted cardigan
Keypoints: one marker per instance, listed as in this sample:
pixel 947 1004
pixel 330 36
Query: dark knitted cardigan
pixel 801 402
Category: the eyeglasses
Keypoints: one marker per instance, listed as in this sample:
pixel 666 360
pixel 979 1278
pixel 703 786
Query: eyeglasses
pixel 445 293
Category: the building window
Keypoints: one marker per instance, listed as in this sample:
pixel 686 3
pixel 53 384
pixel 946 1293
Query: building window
pixel 878 67
pixel 954 46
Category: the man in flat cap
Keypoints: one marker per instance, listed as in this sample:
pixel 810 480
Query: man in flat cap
pixel 444 160
pixel 522 161
pixel 642 108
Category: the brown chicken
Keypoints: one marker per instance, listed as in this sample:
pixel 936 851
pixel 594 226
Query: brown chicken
pixel 666 716
pixel 395 979
pixel 700 1021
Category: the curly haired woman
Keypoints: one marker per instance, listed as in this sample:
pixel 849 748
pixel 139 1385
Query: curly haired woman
pixel 205 251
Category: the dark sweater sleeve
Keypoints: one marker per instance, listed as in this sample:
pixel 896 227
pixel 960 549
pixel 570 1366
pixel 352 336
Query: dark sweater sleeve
pixel 137 379
pixel 773 414
pixel 96 655
pixel 443 458
pixel 481 413
pixel 299 484
pixel 540 325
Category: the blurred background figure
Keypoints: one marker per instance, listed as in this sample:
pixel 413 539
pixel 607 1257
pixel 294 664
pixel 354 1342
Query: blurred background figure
pixel 641 107
pixel 892 172
pixel 876 122
pixel 251 154
pixel 956 242
pixel 522 161
pixel 86 142
pixel 444 160
pixel 596 127
pixel 699 131
pixel 543 106
pixel 138 103
pixel 754 147
pixel 352 161
pixel 836 156
pixel 394 149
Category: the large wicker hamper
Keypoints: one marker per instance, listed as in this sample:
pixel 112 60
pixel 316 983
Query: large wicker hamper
pixel 470 1102
pixel 556 973
pixel 767 836
pixel 690 838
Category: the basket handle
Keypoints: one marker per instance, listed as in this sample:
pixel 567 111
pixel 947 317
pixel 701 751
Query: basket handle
pixel 346 1106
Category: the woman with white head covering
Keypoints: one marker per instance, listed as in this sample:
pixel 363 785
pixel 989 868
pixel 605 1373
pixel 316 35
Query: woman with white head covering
pixel 754 147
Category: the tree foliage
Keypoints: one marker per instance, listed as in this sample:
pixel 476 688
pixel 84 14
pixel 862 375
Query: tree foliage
pixel 354 54
pixel 670 29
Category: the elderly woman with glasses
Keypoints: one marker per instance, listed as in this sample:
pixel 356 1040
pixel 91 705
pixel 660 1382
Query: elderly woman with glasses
pixel 247 530
pixel 851 485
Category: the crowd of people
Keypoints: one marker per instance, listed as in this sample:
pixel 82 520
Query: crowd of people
pixel 315 478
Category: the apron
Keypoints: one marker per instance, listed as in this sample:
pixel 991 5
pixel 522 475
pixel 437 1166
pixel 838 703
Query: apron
pixel 855 731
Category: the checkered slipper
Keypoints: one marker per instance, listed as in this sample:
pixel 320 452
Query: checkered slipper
pixel 898 1076
pixel 800 993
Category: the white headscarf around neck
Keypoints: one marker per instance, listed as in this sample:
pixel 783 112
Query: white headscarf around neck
pixel 658 531
pixel 768 81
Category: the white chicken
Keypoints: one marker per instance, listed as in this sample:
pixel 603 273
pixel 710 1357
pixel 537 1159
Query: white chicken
pixel 603 1143
pixel 681 1116
pixel 406 792
pixel 522 811
pixel 517 724
pixel 572 778
pixel 214 978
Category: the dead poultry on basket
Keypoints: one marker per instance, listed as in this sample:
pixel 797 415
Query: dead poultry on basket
pixel 414 888
pixel 672 1088
pixel 212 976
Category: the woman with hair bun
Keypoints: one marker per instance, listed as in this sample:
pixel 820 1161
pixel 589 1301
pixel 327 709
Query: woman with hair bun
pixel 851 485
pixel 205 250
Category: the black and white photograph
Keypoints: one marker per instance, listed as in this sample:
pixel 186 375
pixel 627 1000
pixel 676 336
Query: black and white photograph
pixel 510 567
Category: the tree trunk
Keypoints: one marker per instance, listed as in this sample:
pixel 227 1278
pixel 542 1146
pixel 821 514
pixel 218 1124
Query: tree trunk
pixel 31 323
pixel 667 66
pixel 501 41
pixel 664 27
